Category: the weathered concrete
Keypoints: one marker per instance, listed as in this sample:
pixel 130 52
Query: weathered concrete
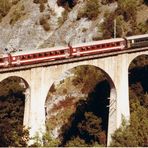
pixel 39 81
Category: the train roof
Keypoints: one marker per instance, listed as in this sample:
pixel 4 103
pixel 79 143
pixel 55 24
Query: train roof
pixel 26 52
pixel 137 36
pixel 99 42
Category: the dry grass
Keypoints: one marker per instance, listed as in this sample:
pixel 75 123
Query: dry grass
pixel 5 6
pixel 17 15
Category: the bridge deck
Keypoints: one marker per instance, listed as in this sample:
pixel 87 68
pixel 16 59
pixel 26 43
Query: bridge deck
pixel 71 60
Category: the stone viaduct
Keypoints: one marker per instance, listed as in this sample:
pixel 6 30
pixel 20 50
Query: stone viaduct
pixel 40 79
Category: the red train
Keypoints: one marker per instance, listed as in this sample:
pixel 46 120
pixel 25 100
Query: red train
pixel 29 57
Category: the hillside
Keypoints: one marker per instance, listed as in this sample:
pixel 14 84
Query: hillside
pixel 33 24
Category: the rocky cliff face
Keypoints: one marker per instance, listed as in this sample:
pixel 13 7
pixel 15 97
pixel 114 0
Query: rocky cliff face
pixel 30 25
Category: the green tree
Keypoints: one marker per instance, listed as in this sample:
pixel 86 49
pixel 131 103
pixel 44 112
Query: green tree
pixel 12 99
pixel 135 134
pixel 107 26
pixel 127 8
pixel 90 128
pixel 91 10
pixel 88 76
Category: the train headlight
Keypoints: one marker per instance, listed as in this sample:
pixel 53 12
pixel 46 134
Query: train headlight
pixel 13 58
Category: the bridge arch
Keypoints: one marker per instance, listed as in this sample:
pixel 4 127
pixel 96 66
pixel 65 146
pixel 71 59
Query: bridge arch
pixel 15 94
pixel 112 96
pixel 136 56
pixel 138 71
pixel 26 91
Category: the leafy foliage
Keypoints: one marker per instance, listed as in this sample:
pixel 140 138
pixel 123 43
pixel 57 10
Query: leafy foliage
pixel 12 99
pixel 5 6
pixel 67 3
pixel 91 10
pixel 104 2
pixel 88 76
pixel 89 132
pixel 90 120
pixel 46 140
pixel 17 15
pixel 44 23
pixel 126 20
pixel 135 134
pixel 127 8
pixel 92 109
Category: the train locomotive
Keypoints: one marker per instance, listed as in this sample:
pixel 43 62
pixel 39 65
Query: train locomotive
pixel 29 57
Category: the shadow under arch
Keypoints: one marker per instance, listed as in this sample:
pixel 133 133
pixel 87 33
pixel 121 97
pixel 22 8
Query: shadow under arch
pixel 138 77
pixel 92 98
pixel 13 107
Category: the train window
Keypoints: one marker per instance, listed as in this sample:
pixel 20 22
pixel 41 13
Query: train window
pixel 45 54
pixel 94 47
pixel 48 53
pixel 30 56
pixel 1 60
pixel 62 51
pixel 98 46
pixel 88 48
pixel 40 55
pixel 141 40
pixel 52 53
pixel 85 48
pixel 25 57
pixel 58 52
pixel 103 45
pixel 113 44
pixel 108 45
pixel 35 55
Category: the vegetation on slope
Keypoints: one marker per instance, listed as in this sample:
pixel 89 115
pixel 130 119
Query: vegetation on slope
pixel 5 6
pixel 12 99
pixel 135 134
pixel 126 19
pixel 74 111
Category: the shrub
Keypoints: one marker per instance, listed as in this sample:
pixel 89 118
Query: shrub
pixel 36 1
pixel 5 6
pixel 108 26
pixel 127 8
pixel 46 140
pixel 44 23
pixel 104 2
pixel 65 3
pixel 18 13
pixel 42 7
pixel 41 2
pixel 14 2
pixel 63 18
pixel 90 11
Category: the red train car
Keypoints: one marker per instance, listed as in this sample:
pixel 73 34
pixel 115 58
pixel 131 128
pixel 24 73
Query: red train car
pixel 29 57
